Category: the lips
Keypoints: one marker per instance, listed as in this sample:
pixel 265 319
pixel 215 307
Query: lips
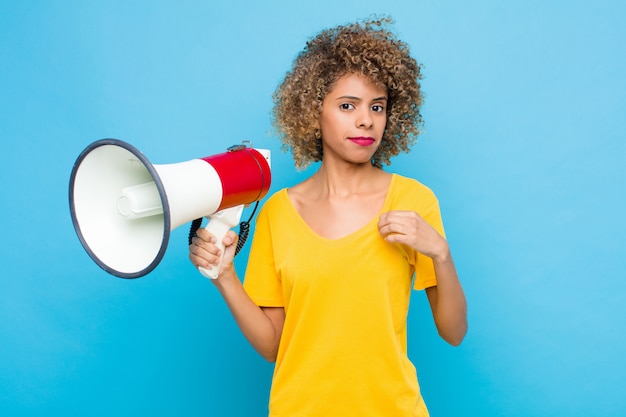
pixel 362 141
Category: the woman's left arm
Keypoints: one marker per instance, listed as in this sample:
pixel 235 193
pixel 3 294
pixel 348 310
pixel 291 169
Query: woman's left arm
pixel 447 299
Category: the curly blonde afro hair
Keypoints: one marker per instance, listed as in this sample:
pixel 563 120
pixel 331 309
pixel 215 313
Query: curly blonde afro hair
pixel 366 48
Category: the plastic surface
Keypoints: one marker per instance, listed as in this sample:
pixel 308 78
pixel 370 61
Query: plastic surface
pixel 219 224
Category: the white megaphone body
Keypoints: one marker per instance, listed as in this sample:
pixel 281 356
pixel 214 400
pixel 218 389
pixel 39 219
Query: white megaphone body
pixel 123 207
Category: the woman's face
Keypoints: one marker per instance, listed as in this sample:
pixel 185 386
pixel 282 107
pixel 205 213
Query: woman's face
pixel 353 119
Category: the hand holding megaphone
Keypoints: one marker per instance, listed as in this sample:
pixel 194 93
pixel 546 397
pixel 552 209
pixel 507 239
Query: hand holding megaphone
pixel 219 224
pixel 123 208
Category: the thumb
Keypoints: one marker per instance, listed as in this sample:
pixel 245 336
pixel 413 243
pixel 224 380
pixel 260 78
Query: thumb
pixel 230 246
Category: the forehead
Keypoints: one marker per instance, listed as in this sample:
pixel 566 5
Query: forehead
pixel 356 85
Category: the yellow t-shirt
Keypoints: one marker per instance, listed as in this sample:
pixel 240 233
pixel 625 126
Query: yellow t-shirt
pixel 343 347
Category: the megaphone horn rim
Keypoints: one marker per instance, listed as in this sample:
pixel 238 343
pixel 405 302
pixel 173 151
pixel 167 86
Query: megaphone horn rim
pixel 161 189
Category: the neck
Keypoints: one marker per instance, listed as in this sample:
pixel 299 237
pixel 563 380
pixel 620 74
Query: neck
pixel 346 179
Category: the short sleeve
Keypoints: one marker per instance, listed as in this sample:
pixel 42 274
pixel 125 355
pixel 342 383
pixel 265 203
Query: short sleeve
pixel 261 281
pixel 424 269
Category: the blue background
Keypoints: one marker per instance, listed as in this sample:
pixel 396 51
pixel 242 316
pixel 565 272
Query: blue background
pixel 525 117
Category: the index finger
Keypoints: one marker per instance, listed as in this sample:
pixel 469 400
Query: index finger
pixel 205 235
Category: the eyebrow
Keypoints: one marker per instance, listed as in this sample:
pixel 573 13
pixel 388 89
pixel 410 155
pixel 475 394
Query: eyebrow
pixel 382 98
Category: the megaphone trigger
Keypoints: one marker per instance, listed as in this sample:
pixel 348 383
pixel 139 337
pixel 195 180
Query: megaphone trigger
pixel 219 224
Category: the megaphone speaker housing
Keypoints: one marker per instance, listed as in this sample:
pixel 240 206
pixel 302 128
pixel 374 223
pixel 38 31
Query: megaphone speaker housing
pixel 123 207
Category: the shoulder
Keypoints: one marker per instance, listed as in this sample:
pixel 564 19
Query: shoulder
pixel 410 194
pixel 402 186
pixel 275 200
pixel 276 205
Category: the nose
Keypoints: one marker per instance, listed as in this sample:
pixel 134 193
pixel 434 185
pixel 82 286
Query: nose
pixel 364 119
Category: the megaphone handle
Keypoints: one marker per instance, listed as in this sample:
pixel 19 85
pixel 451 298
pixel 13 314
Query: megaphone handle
pixel 219 224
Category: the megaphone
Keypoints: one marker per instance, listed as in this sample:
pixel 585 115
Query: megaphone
pixel 123 207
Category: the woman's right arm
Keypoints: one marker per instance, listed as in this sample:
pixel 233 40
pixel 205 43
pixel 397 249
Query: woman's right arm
pixel 262 326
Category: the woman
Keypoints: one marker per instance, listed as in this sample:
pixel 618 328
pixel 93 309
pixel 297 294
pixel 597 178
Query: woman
pixel 333 259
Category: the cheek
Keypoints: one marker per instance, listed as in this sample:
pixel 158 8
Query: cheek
pixel 382 124
pixel 329 123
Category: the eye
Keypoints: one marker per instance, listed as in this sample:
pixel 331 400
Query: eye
pixel 346 106
pixel 378 108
